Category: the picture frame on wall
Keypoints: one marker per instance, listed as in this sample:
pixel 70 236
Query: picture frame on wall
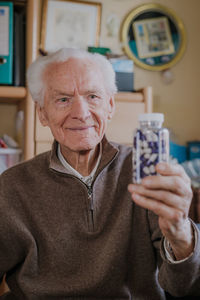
pixel 70 23
pixel 153 37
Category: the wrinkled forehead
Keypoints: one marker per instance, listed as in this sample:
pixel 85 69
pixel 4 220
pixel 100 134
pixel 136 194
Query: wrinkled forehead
pixel 74 71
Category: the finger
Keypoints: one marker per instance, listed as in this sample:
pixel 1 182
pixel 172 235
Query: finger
pixel 175 184
pixel 172 170
pixel 166 197
pixel 159 208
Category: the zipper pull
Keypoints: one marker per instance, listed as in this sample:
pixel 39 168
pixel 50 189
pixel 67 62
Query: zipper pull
pixel 90 198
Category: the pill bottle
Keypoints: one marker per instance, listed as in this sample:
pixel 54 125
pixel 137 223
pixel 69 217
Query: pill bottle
pixel 150 145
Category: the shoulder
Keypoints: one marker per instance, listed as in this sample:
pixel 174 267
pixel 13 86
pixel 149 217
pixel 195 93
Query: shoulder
pixel 26 168
pixel 122 164
pixel 124 151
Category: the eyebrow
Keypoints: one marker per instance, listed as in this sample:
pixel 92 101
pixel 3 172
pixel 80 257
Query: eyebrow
pixel 58 92
pixel 70 94
pixel 93 91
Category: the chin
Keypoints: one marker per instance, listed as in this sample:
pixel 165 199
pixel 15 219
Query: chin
pixel 80 142
pixel 82 145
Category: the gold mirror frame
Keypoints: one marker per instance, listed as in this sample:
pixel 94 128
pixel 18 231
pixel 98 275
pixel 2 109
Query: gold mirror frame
pixel 173 20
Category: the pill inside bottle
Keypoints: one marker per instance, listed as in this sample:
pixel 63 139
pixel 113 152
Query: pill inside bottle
pixel 150 145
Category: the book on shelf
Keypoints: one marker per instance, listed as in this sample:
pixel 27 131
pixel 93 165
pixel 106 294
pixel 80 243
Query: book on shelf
pixel 19 48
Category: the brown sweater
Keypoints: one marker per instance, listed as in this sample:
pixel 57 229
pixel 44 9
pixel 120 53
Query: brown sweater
pixel 58 240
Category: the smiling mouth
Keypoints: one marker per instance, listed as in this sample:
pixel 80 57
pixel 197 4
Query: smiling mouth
pixel 80 128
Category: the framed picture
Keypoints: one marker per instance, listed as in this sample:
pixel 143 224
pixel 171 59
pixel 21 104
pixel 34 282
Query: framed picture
pixel 70 23
pixel 153 37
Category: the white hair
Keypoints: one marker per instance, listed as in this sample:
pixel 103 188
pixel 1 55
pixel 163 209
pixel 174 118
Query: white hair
pixel 36 70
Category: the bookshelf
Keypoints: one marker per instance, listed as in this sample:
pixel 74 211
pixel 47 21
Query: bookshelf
pixel 18 98
pixel 12 94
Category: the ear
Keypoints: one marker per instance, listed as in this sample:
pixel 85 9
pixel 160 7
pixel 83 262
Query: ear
pixel 42 115
pixel 111 108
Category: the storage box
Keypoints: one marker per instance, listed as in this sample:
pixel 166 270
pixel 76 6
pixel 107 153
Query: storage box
pixel 178 151
pixel 8 158
pixel 193 150
pixel 124 74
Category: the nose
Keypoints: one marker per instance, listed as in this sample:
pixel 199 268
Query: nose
pixel 80 109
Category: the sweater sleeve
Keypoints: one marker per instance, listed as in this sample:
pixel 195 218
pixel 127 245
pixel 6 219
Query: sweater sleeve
pixel 169 252
pixel 182 279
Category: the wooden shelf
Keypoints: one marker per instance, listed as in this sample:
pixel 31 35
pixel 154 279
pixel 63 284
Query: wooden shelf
pixel 129 97
pixel 12 94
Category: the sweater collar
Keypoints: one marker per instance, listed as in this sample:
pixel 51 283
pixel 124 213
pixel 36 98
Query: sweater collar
pixel 109 151
pixel 87 179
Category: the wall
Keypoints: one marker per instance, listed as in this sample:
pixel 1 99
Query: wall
pixel 179 100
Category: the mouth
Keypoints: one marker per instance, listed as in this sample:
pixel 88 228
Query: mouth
pixel 80 128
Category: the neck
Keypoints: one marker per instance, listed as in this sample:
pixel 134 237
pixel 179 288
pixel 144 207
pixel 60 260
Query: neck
pixel 82 161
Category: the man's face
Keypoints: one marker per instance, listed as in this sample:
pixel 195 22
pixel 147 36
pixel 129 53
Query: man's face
pixel 76 104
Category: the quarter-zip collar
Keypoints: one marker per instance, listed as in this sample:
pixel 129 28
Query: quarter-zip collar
pixel 86 179
pixel 109 151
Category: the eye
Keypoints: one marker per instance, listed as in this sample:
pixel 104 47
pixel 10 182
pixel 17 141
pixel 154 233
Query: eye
pixel 93 96
pixel 64 100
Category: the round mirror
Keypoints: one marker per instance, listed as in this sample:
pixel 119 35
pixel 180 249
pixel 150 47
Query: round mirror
pixel 153 36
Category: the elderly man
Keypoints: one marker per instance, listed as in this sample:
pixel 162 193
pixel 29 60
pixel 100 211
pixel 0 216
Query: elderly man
pixel 69 228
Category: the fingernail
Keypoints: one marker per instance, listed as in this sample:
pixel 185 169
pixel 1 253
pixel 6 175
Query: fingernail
pixel 131 188
pixel 136 196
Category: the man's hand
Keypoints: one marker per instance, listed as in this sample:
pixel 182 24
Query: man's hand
pixel 169 196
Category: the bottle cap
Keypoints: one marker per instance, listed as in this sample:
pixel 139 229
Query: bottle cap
pixel 151 117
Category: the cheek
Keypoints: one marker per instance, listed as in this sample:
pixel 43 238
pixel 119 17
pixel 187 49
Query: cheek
pixel 103 116
pixel 101 120
pixel 56 118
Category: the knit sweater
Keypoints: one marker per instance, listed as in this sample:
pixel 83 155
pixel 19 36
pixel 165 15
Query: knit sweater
pixel 61 240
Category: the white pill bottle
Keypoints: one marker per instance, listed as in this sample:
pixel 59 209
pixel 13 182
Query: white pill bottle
pixel 150 145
